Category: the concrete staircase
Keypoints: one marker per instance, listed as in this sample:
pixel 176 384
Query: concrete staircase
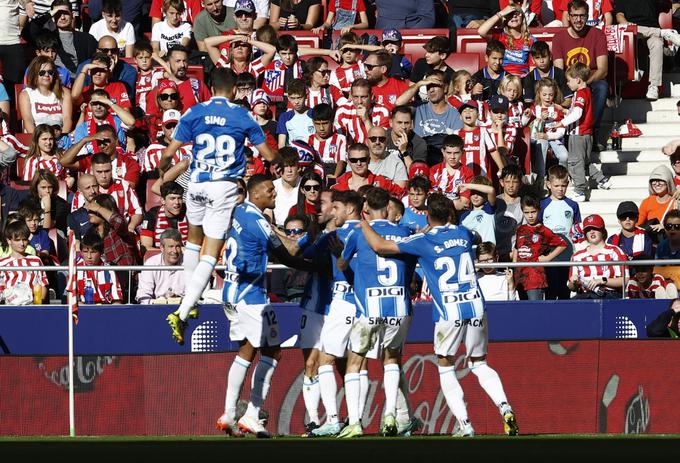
pixel 630 167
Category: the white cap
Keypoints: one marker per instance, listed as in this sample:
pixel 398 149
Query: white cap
pixel 171 115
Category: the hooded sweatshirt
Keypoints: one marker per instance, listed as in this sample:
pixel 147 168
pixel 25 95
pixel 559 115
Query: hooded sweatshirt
pixel 651 208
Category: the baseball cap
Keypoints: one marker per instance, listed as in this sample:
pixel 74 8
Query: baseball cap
pixel 627 208
pixel 244 5
pixel 391 35
pixel 171 115
pixel 259 96
pixel 418 168
pixel 499 103
pixel 166 84
pixel 593 221
pixel 468 104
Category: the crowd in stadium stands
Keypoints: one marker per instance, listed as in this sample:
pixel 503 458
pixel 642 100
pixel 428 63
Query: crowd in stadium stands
pixel 91 93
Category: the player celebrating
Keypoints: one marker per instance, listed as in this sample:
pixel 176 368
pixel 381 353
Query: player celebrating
pixel 445 254
pixel 252 321
pixel 218 130
pixel 384 306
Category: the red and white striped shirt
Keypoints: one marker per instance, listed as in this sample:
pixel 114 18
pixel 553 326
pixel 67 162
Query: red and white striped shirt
pixel 353 127
pixel 332 149
pixel 482 107
pixel 582 99
pixel 33 164
pixel 254 67
pixel 144 84
pixel 342 78
pixel 607 253
pixel 104 282
pixel 329 95
pixel 123 167
pixel 553 115
pixel 388 93
pixel 151 156
pixel 635 291
pixel 476 153
pixel 515 110
pixel 120 190
pixel 30 278
pixel 448 183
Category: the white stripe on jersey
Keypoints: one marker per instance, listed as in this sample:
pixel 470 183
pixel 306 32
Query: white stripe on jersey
pixel 27 277
pixel 333 149
pixel 125 197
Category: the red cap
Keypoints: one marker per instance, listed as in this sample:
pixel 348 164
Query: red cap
pixel 166 85
pixel 593 221
pixel 418 168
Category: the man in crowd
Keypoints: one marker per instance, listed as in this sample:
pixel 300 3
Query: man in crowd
pixel 358 158
pixel 383 163
pixel 171 214
pixel 162 284
pixel 402 140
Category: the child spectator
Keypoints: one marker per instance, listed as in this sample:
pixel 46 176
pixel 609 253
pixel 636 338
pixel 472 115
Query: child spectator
pixel 660 200
pixel 172 31
pixel 47 44
pixel 486 80
pixel 542 56
pixel 295 124
pixel 480 219
pixel 534 243
pixel 39 238
pixel 448 176
pixel 579 123
pixel 437 50
pixel 259 103
pixel 479 149
pixel 317 76
pixel 344 16
pixel 515 37
pixel 21 285
pixel 504 134
pixel 43 154
pixel 632 240
pixel 415 213
pixel 401 66
pixel 508 210
pixel 245 86
pixel 669 248
pixel 146 73
pixel 511 88
pixel 331 145
pixel 459 93
pixel 114 26
pixel 675 165
pixel 356 117
pixel 106 289
pixel 597 282
pixel 559 214
pixel 150 157
pixel 645 284
pixel 282 70
pixel 496 285
pixel 351 67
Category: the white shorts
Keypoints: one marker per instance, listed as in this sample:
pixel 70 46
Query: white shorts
pixel 473 332
pixel 337 329
pixel 256 323
pixel 370 335
pixel 211 205
pixel 311 324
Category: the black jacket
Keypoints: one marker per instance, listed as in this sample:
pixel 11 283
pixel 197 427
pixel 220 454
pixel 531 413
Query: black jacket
pixel 659 327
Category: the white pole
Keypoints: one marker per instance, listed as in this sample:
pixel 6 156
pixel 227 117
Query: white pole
pixel 71 395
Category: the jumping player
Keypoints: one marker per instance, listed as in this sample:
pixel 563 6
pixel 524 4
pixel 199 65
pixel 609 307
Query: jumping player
pixel 218 130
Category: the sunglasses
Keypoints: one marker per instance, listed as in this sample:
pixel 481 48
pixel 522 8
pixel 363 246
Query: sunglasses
pixel 312 187
pixel 171 125
pixel 294 231
pixel 672 226
pixel 378 139
pixel 47 72
pixel 168 96
pixel 369 67
pixel 99 71
pixel 109 51
pixel 241 44
pixel 628 216
pixel 242 14
pixel 358 160
pixel 324 73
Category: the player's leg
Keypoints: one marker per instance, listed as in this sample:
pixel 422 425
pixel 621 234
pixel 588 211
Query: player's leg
pixel 407 423
pixel 311 393
pixel 364 386
pixel 393 338
pixel 236 377
pixel 476 344
pixel 352 394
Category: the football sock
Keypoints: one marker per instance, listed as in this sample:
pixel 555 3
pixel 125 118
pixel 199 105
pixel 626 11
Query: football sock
pixel 453 392
pixel 237 374
pixel 363 381
pixel 259 387
pixel 352 392
pixel 192 253
pixel 329 392
pixel 311 395
pixel 195 286
pixel 403 407
pixel 489 380
pixel 391 386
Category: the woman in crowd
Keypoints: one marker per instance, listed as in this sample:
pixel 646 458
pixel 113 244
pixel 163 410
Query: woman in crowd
pixel 44 154
pixel 308 195
pixel 45 189
pixel 286 15
pixel 44 100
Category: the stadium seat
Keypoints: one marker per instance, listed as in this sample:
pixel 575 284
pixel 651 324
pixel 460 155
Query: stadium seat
pixel 150 253
pixel 467 61
pixel 152 199
pixel 416 51
pixel 421 35
pixel 24 138
pixel 197 71
pixel 307 38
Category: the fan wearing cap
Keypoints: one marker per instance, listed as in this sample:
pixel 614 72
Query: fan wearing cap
pixel 151 156
pixel 504 135
pixel 480 148
pixel 259 104
pixel 632 240
pixel 597 282
pixel 343 15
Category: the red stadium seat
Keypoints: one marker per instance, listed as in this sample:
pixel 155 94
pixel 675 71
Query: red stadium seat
pixel 307 38
pixel 466 61
pixel 24 138
pixel 150 253
pixel 416 51
pixel 152 199
pixel 196 71
pixel 421 35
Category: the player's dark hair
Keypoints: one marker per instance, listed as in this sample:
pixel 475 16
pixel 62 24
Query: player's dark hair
pixel 540 49
pixel 453 141
pixel 348 198
pixel 256 180
pixel 377 198
pixel 402 109
pixel 495 46
pixel 287 43
pixel 364 189
pixel 91 239
pixel 419 182
pixel 100 158
pixel 439 208
pixel 530 201
pixel 296 87
pixel 323 112
pixel 171 188
pixel 223 79
pixel 398 204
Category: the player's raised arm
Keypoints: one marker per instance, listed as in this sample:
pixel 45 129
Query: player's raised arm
pixel 379 244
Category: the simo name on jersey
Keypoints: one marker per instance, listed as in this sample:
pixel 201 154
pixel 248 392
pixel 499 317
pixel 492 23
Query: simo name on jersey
pixel 215 120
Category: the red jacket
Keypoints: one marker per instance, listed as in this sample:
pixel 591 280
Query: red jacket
pixel 342 183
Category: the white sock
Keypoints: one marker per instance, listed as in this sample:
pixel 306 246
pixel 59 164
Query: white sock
pixel 237 374
pixel 192 253
pixel 453 392
pixel 489 380
pixel 403 407
pixel 311 394
pixel 363 381
pixel 352 392
pixel 391 386
pixel 259 387
pixel 195 286
pixel 329 392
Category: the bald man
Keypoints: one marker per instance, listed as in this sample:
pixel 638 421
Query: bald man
pixel 382 163
pixel 120 72
pixel 78 220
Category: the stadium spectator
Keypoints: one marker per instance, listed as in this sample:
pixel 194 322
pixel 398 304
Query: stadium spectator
pixel 173 31
pixel 660 201
pixel 645 284
pixel 543 59
pixel 402 141
pixel 414 215
pixel 104 283
pixel 598 14
pixel 509 214
pixel 44 154
pixel 485 82
pixel 669 248
pixel 20 285
pixel 78 220
pixel 290 15
pixel 151 155
pixel 356 117
pixel 46 44
pixel 296 123
pixel 383 163
pixel 120 71
pixel 480 152
pixel 496 284
pixel 162 286
pixel 132 12
pixel 530 8
pixel 632 240
pixel 112 24
pixel 385 89
pixel 45 190
pixel 31 213
pixel 667 324
pixel 190 9
pixel 597 282
pixel 101 111
pixel 344 16
pixel 479 219
pixel 317 76
pixel 309 196
pixel 235 51
pixel 287 186
pixel 12 53
pixel 404 14
pixel 360 175
pixel 351 66
pixel 214 20
pixel 170 214
pixel 45 100
pixel 289 284
pixel 331 145
pixel 437 49
pixel 448 176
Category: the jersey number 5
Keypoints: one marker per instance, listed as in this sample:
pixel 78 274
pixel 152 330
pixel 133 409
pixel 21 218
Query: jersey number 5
pixel 220 149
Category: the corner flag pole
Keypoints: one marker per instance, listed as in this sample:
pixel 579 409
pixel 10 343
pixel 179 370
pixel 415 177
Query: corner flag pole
pixel 72 288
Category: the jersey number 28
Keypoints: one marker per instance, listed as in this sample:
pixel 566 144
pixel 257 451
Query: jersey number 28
pixel 220 149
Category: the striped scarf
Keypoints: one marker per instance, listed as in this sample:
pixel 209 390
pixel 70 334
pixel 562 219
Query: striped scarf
pixel 162 224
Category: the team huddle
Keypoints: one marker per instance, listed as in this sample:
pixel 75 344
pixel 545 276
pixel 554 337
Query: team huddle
pixel 357 302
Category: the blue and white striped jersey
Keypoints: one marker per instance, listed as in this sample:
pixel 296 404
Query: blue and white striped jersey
pixel 445 255
pixel 317 294
pixel 381 284
pixel 218 129
pixel 246 256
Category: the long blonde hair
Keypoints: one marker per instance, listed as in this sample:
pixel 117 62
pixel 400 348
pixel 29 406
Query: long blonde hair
pixel 456 82
pixel 524 30
pixel 547 82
